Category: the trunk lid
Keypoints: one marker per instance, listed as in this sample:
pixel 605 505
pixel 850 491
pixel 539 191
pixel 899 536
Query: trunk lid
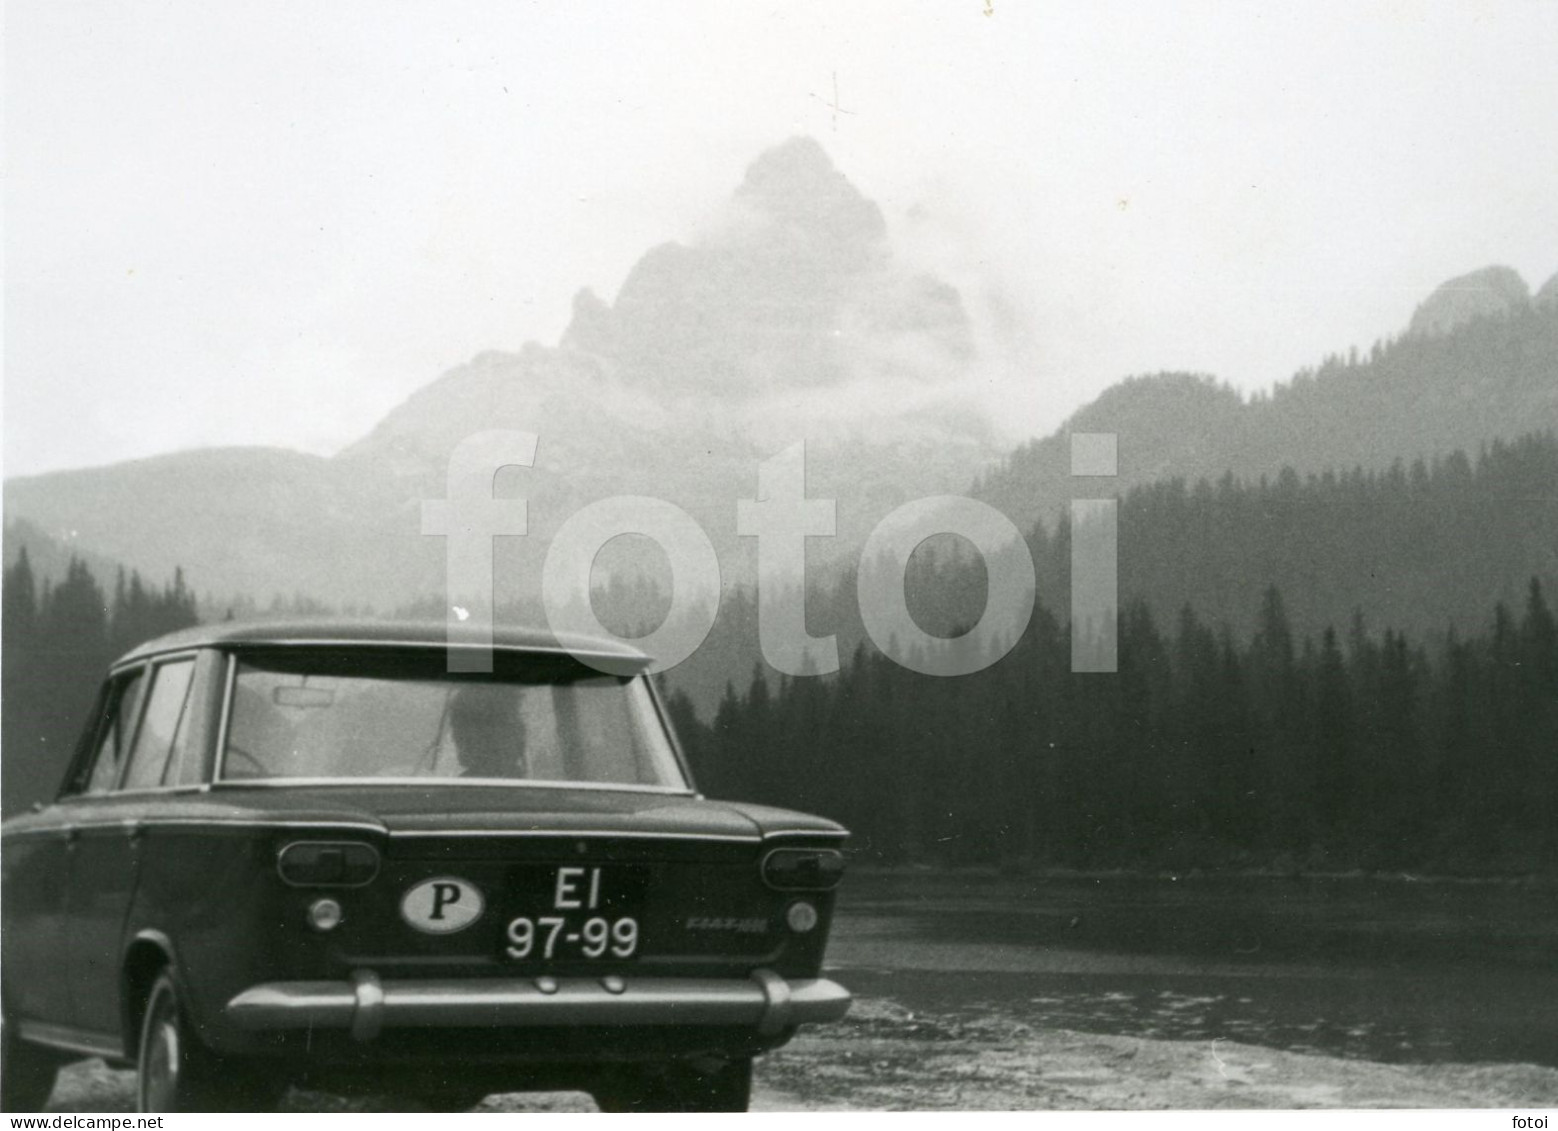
pixel 506 881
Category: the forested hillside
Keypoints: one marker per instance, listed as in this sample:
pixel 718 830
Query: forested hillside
pixel 1420 548
pixel 1280 728
pixel 1421 395
pixel 1345 751
pixel 56 641
pixel 1326 671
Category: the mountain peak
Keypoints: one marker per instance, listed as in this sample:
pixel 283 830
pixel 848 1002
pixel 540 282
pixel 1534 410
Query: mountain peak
pixel 796 184
pixel 1490 292
pixel 792 287
pixel 798 155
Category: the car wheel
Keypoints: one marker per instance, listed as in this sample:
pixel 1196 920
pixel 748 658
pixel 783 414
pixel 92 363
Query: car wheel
pixel 680 1086
pixel 175 1072
pixel 27 1072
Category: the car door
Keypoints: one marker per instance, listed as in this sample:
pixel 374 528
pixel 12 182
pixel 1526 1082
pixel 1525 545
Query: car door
pixel 39 856
pixel 36 986
pixel 36 874
pixel 104 863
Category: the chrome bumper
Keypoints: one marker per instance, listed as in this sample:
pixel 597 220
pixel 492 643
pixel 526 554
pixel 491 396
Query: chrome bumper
pixel 765 1002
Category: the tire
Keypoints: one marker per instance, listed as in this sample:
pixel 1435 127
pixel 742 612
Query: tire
pixel 27 1072
pixel 175 1072
pixel 679 1086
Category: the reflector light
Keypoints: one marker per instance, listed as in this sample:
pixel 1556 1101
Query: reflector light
pixel 802 916
pixel 325 915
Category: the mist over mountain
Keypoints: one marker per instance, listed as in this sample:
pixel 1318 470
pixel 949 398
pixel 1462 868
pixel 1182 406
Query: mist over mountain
pixel 786 318
pixel 793 288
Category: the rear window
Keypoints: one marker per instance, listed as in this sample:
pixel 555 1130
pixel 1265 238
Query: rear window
pixel 316 714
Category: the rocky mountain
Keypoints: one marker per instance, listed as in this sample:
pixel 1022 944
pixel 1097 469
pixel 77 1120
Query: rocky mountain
pixel 787 318
pixel 1478 363
pixel 1489 293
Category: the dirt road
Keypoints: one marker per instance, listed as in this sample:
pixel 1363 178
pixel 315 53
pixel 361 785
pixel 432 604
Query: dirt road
pixel 885 1057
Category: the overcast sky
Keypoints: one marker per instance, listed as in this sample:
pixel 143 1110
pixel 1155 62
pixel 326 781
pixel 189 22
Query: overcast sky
pixel 269 223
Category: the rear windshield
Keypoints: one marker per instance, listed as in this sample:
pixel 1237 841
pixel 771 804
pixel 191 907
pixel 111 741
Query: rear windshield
pixel 319 714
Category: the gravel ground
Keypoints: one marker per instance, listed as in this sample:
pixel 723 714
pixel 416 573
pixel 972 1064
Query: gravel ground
pixel 885 1057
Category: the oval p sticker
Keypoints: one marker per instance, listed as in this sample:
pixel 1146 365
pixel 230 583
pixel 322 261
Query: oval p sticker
pixel 442 906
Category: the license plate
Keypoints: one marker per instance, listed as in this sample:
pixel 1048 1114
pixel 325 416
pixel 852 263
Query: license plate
pixel 575 912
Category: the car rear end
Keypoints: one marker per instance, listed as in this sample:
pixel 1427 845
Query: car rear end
pixel 505 933
pixel 545 950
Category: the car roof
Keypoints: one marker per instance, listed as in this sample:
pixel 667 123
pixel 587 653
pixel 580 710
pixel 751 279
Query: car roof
pixel 375 633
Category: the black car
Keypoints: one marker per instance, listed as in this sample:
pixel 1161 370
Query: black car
pixel 314 854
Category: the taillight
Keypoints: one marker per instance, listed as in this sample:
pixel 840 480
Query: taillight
pixel 803 869
pixel 328 863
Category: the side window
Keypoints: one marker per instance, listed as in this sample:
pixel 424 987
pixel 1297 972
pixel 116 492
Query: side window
pixel 164 727
pixel 113 741
pixel 187 764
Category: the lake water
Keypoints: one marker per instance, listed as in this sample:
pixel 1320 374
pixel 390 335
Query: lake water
pixel 1396 970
